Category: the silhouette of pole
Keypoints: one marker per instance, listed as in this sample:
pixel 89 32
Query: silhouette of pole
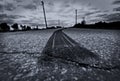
pixel 44 14
pixel 76 16
pixel 83 18
pixel 58 22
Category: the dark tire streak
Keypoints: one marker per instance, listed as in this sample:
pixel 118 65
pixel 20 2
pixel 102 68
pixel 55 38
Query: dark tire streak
pixel 70 53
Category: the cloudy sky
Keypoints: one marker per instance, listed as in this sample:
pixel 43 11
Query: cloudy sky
pixel 30 11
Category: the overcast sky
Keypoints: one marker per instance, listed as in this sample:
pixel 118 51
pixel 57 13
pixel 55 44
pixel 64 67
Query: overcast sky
pixel 30 11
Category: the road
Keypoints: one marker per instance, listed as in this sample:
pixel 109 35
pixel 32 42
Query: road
pixel 62 59
pixel 61 46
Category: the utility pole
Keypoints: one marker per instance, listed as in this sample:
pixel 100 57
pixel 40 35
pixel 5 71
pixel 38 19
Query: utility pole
pixel 76 16
pixel 44 13
pixel 83 18
pixel 58 22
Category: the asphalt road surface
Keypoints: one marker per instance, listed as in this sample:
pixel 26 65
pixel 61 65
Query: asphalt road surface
pixel 60 46
pixel 62 59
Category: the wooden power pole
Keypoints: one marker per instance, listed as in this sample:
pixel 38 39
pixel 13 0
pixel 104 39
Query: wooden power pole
pixel 58 22
pixel 76 16
pixel 44 13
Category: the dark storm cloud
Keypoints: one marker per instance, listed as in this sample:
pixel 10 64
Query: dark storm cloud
pixel 92 13
pixel 18 0
pixel 53 22
pixel 66 16
pixel 30 6
pixel 116 2
pixel 113 17
pixel 25 21
pixel 116 9
pixel 89 13
pixel 6 18
pixel 9 21
pixel 110 17
pixel 50 3
pixel 56 9
pixel 37 2
pixel 102 15
pixel 1 8
pixel 9 18
pixel 2 16
pixel 7 6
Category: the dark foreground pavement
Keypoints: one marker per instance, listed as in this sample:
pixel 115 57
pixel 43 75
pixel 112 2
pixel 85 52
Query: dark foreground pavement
pixel 62 59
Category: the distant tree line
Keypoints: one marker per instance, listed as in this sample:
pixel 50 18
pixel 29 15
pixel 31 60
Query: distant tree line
pixel 4 27
pixel 99 25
